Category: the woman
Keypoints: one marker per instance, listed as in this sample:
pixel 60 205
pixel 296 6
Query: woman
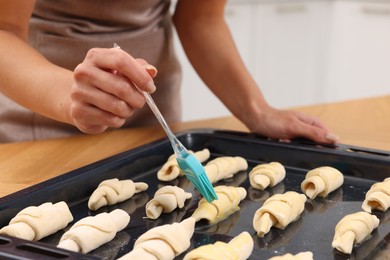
pixel 56 82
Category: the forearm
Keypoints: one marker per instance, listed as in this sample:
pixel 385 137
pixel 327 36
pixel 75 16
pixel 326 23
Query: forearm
pixel 210 48
pixel 32 81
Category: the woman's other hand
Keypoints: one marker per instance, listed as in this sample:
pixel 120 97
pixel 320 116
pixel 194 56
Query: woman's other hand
pixel 289 124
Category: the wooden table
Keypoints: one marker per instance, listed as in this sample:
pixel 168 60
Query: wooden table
pixel 363 123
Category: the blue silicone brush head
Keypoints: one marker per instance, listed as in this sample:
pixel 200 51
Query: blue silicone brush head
pixel 194 171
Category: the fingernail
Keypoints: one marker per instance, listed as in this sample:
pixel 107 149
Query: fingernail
pixel 150 87
pixel 151 70
pixel 332 137
pixel 151 67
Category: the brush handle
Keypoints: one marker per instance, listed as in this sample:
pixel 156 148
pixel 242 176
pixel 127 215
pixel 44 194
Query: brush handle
pixel 178 147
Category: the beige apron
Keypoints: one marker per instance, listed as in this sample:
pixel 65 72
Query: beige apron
pixel 64 30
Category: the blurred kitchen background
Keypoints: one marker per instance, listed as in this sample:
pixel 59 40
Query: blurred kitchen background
pixel 302 52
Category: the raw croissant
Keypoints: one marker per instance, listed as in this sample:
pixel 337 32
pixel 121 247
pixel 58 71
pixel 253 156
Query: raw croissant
pixel 37 222
pixel 279 211
pixel 321 181
pixel 91 232
pixel 300 256
pixel 353 229
pixel 112 191
pixel 163 242
pixel 227 203
pixel 224 167
pixel 171 170
pixel 166 199
pixel 239 248
pixel 378 197
pixel 267 174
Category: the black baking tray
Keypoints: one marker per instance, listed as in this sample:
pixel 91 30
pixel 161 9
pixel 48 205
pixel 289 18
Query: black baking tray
pixel 313 231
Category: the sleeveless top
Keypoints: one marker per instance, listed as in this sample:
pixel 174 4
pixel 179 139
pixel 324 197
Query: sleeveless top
pixel 64 30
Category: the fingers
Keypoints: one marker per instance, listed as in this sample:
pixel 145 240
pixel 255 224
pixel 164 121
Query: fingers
pixel 287 124
pixel 93 111
pixel 317 134
pixel 310 120
pixel 311 128
pixel 106 89
pixel 120 61
pixel 332 137
pixel 92 120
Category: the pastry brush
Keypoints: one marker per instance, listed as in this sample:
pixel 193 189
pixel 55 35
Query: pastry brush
pixel 188 163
